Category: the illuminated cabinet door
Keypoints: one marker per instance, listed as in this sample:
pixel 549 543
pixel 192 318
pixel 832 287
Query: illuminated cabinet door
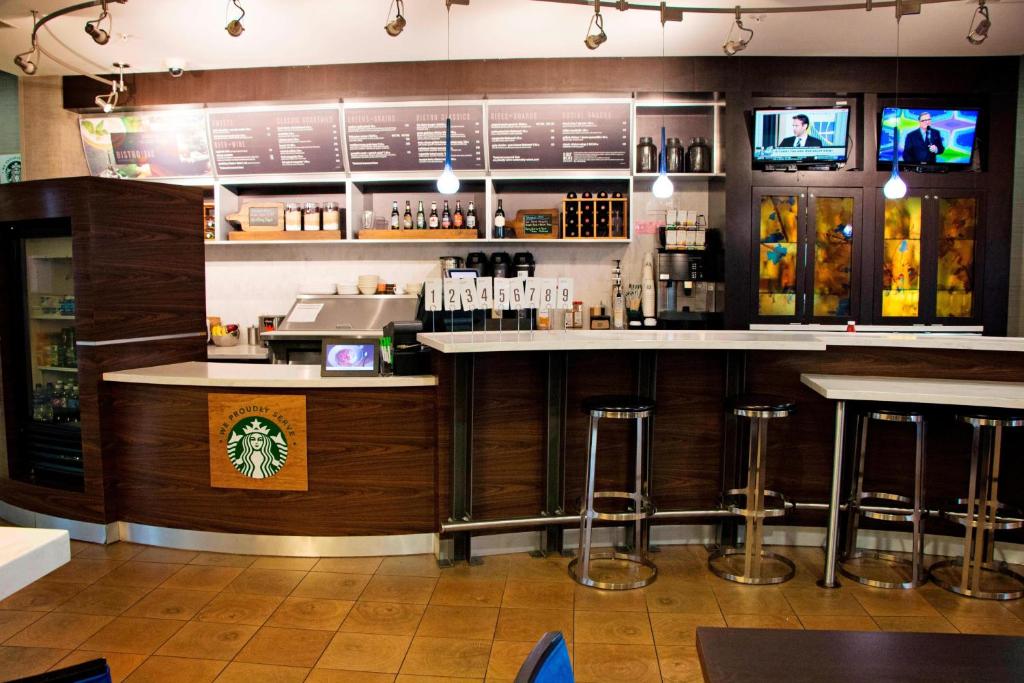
pixel 834 232
pixel 956 269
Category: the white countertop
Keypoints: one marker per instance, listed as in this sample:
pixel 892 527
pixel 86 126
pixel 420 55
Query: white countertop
pixel 30 554
pixel 953 392
pixel 196 374
pixel 239 352
pixel 751 340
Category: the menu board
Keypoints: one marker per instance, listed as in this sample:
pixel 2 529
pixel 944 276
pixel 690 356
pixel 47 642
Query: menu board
pixel 386 138
pixel 154 144
pixel 281 141
pixel 559 136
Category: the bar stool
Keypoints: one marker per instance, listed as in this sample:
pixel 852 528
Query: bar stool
pixel 858 497
pixel 759 409
pixel 981 518
pixel 640 410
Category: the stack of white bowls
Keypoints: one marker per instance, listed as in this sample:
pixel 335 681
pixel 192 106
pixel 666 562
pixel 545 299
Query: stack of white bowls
pixel 367 284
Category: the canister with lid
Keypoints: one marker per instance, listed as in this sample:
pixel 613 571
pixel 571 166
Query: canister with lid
pixel 674 155
pixel 311 216
pixel 646 156
pixel 331 216
pixel 292 217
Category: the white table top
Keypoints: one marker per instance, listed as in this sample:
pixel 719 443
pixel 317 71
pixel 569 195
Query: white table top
pixel 951 392
pixel 195 374
pixel 30 554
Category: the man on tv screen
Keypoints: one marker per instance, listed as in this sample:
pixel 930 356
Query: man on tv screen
pixel 921 146
pixel 800 137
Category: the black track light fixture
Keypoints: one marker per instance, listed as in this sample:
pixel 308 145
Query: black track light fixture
pixel 594 39
pixel 980 24
pixel 395 26
pixel 99 35
pixel 234 27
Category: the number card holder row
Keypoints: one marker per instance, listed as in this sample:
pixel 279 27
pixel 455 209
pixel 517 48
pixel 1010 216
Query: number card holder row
pixel 502 294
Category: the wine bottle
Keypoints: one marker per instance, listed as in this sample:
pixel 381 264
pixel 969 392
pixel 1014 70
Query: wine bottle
pixel 421 218
pixel 446 216
pixel 499 222
pixel 471 216
pixel 407 218
pixel 458 220
pixel 433 222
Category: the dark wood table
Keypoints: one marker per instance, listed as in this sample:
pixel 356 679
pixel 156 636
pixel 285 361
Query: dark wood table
pixel 737 655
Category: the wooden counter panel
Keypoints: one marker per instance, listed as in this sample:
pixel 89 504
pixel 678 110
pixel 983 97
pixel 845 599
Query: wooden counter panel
pixel 371 465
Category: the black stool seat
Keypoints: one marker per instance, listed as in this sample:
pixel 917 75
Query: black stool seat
pixel 992 418
pixel 761 403
pixel 623 403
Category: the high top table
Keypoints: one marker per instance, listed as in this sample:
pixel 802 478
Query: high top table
pixel 843 388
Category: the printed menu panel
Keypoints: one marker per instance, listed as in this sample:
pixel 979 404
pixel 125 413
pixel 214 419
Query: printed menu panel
pixel 412 138
pixel 559 136
pixel 154 144
pixel 276 141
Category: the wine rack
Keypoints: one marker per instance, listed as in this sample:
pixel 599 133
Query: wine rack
pixel 595 218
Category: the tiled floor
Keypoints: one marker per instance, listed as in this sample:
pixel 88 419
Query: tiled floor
pixel 173 615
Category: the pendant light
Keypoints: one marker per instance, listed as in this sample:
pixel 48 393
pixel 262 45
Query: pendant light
pixel 662 188
pixel 894 187
pixel 448 182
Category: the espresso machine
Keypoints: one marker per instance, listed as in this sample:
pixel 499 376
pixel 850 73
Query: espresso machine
pixel 691 294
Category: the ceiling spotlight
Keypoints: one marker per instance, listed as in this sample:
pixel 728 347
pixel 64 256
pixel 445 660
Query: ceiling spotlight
pixel 979 32
pixel 99 35
pixel 594 40
pixel 395 26
pixel 234 27
pixel 26 63
pixel 738 44
pixel 106 102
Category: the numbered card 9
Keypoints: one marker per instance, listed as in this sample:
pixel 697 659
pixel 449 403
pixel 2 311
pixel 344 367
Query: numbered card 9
pixel 484 293
pixel 452 295
pixel 565 293
pixel 467 292
pixel 548 287
pixel 532 299
pixel 502 301
pixel 433 295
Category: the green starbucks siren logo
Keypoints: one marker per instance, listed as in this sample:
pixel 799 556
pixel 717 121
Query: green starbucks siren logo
pixel 257 447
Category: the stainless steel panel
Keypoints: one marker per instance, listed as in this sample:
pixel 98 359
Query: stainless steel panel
pixel 352 313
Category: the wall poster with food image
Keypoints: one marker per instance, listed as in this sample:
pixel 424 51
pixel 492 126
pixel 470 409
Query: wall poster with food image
pixel 152 144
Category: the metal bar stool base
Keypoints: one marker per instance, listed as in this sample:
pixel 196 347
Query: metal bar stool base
pixel 615 585
pixel 1000 568
pixel 719 559
pixel 888 558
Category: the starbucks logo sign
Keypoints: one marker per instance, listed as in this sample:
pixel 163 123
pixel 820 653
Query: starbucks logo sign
pixel 257 447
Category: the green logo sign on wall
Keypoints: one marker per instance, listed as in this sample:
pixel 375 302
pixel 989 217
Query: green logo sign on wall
pixel 257 448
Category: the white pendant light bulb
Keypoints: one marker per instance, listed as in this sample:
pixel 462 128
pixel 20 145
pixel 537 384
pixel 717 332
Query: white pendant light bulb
pixel 662 188
pixel 448 182
pixel 894 187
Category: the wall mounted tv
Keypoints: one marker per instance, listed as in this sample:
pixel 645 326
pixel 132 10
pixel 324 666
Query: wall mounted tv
pixel 928 138
pixel 806 137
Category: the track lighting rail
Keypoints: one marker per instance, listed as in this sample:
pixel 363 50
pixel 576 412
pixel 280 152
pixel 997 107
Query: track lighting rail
pixel 868 6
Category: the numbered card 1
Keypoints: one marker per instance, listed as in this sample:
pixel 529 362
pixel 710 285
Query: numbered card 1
pixel 565 293
pixel 433 295
pixel 548 288
pixel 501 299
pixel 484 293
pixel 532 299
pixel 452 295
pixel 516 294
pixel 467 292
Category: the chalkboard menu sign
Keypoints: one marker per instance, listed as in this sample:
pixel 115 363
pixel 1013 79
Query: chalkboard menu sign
pixel 411 138
pixel 277 141
pixel 139 144
pixel 569 135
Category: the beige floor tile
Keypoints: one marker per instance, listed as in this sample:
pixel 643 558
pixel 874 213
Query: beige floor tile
pixel 601 662
pixel 103 600
pixel 348 565
pixel 680 664
pixel 610 601
pixel 237 608
pixel 681 597
pixel 915 624
pixel 223 560
pixel 838 623
pixel 338 676
pixel 206 640
pixel 202 577
pixel 121 664
pixel 411 589
pixel 673 628
pixel 447 657
pixel 538 594
pixel 41 597
pixel 409 678
pixel 112 551
pixel 241 672
pixel 302 564
pixel 953 605
pixel 266 582
pixel 762 621
pixel 464 623
pixel 166 555
pixel 528 625
pixel 13 621
pixel 612 627
pixel 140 574
pixel 881 602
pixel 410 565
pixel 176 670
pixel 384 618
pixel 285 646
pixel 311 613
pixel 171 603
pixel 82 571
pixel 364 652
pixel 814 601
pixel 737 599
pixel 468 592
pixel 132 635
pixel 490 567
pixel 61 630
pixel 506 659
pixel 332 586
pixel 994 627
pixel 19 662
pixel 522 567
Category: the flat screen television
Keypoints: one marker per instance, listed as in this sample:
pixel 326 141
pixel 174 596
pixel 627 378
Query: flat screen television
pixel 928 137
pixel 802 137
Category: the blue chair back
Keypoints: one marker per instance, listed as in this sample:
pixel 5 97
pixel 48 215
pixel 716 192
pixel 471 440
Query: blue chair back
pixel 548 662
pixel 92 671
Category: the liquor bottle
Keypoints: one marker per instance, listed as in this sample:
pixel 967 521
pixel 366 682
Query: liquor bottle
pixel 499 222
pixel 394 215
pixel 446 216
pixel 433 222
pixel 421 218
pixel 470 216
pixel 458 220
pixel 407 218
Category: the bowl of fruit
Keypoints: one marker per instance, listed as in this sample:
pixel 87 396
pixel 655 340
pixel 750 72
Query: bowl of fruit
pixel 224 335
